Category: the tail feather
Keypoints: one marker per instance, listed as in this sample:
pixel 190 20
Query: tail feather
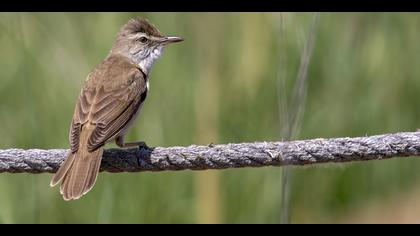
pixel 79 173
pixel 61 172
pixel 93 175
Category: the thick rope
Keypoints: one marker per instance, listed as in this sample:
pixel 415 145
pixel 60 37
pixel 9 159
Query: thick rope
pixel 225 156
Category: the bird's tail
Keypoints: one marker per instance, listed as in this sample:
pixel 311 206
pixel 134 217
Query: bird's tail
pixel 78 173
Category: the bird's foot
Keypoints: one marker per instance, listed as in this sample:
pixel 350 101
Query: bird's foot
pixel 142 145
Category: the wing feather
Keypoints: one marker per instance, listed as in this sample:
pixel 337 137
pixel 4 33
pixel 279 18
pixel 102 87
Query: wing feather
pixel 110 106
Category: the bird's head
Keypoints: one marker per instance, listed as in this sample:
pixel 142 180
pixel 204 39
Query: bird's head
pixel 142 42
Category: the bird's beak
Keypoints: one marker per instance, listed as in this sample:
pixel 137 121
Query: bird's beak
pixel 170 39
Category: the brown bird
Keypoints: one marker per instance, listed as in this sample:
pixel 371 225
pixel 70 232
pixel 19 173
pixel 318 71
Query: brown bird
pixel 108 104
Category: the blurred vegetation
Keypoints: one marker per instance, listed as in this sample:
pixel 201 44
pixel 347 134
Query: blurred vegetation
pixel 220 85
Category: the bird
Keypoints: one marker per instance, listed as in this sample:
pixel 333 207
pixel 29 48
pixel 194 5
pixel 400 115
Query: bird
pixel 109 102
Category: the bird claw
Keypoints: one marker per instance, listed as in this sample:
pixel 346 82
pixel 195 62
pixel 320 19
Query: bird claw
pixel 143 145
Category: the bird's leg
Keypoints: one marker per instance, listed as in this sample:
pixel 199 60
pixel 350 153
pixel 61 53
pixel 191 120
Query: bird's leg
pixel 120 143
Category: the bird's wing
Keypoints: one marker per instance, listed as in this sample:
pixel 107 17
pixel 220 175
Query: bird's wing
pixel 109 107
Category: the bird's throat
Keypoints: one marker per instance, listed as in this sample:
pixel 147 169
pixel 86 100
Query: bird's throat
pixel 146 63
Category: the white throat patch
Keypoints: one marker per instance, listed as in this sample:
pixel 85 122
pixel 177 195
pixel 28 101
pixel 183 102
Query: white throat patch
pixel 147 63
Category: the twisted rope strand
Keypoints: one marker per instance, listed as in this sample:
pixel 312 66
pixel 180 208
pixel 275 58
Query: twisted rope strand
pixel 223 156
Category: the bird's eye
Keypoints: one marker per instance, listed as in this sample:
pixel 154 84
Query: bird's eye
pixel 143 40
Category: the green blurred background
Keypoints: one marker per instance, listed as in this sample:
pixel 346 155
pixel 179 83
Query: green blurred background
pixel 226 83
